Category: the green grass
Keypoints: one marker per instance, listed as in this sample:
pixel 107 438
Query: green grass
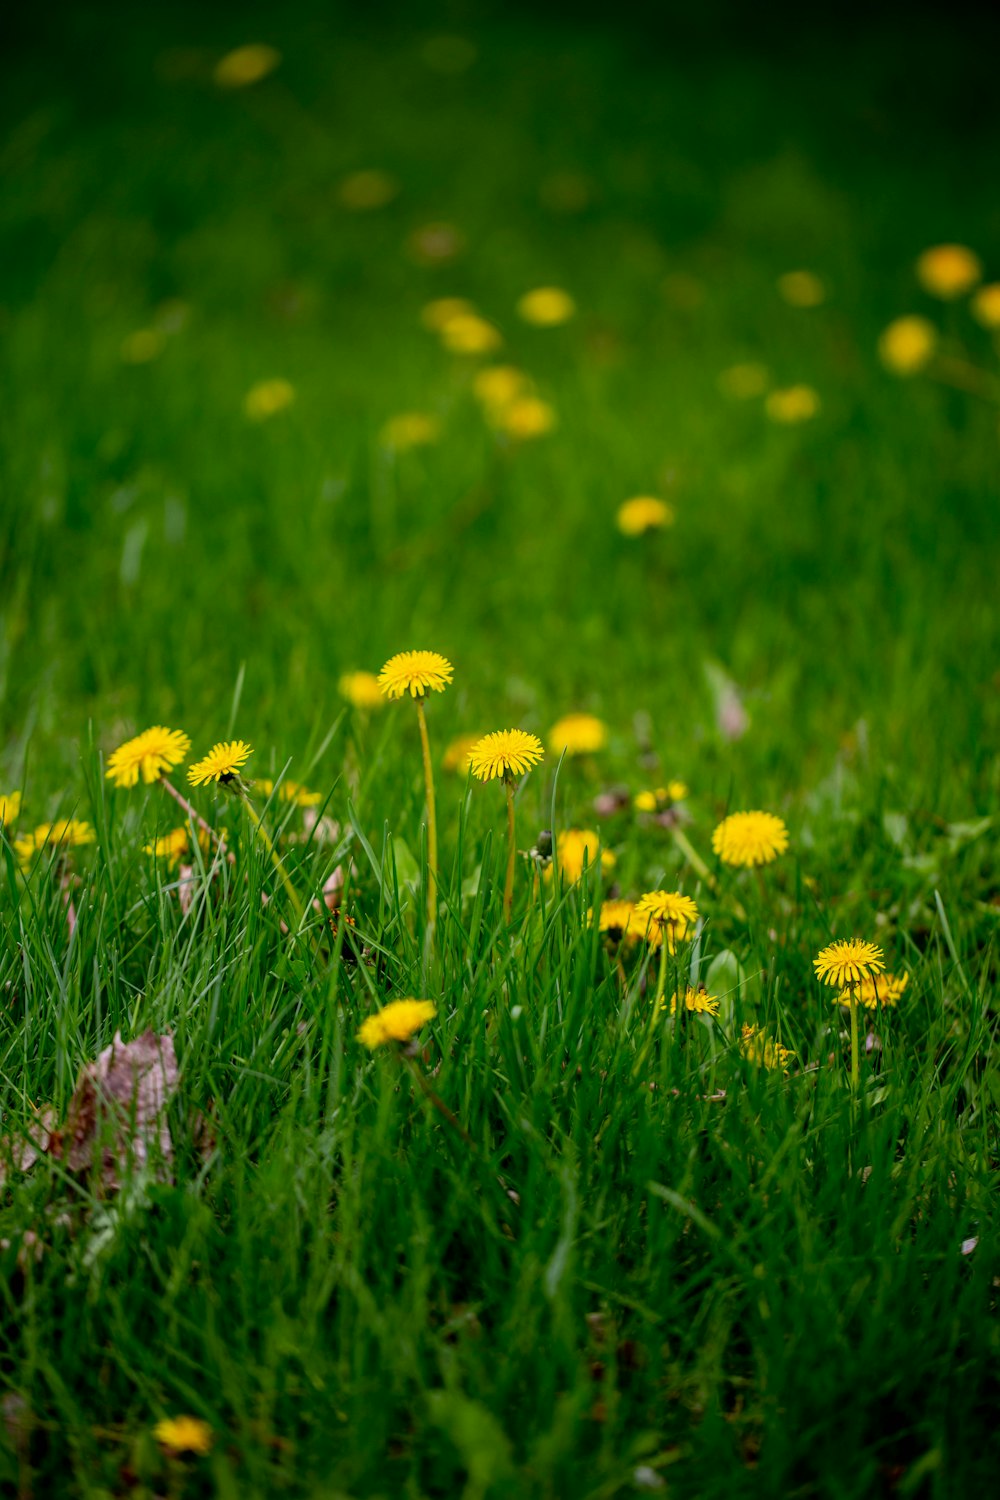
pixel 656 1262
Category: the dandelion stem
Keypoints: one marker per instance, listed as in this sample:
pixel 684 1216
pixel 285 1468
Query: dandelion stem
pixel 193 814
pixel 854 1039
pixel 437 1101
pixel 265 839
pixel 508 888
pixel 661 984
pixel 432 843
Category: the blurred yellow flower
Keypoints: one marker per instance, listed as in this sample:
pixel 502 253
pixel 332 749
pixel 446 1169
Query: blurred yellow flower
pixel 526 417
pixel 907 345
pixel 65 832
pixel 143 345
pixel 873 991
pixel 948 271
pixel 366 190
pixel 396 1022
pixel 415 672
pixel 796 403
pixel 267 398
pixel 573 847
pixel 750 838
pixel 618 919
pixel 288 791
pixel 802 289
pixel 184 1435
pixel 246 65
pixel 694 999
pixel 468 333
pixel 505 753
pixel 170 846
pixel 844 964
pixel 578 734
pixel 757 1047
pixel 665 914
pixel 458 756
pixel 742 382
pixel 438 314
pixel 148 755
pixel 660 797
pixel 222 762
pixel 644 513
pixel 985 305
pixel 361 689
pixel 546 307
pixel 410 429
pixel 498 385
pixel 10 806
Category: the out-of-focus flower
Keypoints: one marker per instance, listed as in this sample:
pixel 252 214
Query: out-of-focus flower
pixel 985 305
pixel 497 386
pixel 458 755
pixel 578 734
pixel 802 289
pixel 267 398
pixel 948 271
pixel 396 1022
pixel 289 791
pixel 415 672
pixel 875 990
pixel 742 382
pixel 10 806
pixel 148 755
pixel 526 417
pixel 222 762
pixel 660 797
pixel 361 689
pixel 435 244
pixel 750 838
pixel 618 920
pixel 184 1435
pixel 644 513
pixel 694 1000
pixel 246 65
pixel 546 307
pixel 438 314
pixel 169 846
pixel 796 403
pixel 574 846
pixel 468 333
pixel 142 346
pixel 907 346
pixel 410 429
pixel 505 753
pixel 361 191
pixel 65 833
pixel 757 1047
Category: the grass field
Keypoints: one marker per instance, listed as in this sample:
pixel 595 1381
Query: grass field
pixel 564 1243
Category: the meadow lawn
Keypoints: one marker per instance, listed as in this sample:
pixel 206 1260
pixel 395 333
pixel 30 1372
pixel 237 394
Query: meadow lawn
pixel 566 1243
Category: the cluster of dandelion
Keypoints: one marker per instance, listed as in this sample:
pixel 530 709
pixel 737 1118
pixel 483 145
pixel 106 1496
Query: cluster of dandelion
pixel 913 345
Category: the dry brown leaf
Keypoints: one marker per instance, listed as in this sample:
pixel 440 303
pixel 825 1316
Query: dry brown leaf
pixel 118 1109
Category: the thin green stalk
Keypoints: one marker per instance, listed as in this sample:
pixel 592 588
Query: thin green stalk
pixel 432 846
pixel 265 839
pixel 508 889
pixel 854 1040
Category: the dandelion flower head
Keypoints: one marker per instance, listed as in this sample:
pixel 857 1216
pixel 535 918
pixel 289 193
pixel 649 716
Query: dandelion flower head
pixel 396 1022
pixel 875 990
pixel 694 999
pixel 267 398
pixel 948 271
pixel 574 848
pixel 526 417
pixel 246 65
pixel 184 1435
pixel 505 753
pixel 750 838
pixel 757 1047
pixel 660 797
pixel 468 333
pixel 985 305
pixel 796 403
pixel 578 734
pixel 644 513
pixel 801 289
pixel 438 314
pixel 665 913
pixel 619 920
pixel 546 307
pixel 845 963
pixel 416 673
pixel 289 791
pixel 410 429
pixel 458 755
pixel 64 833
pixel 169 846
pixel 222 762
pixel 907 346
pixel 497 386
pixel 361 689
pixel 10 806
pixel 148 755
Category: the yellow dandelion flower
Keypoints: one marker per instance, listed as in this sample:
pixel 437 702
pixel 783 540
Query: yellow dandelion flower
pixel 142 346
pixel 796 403
pixel 184 1435
pixel 743 382
pixel 619 921
pixel 844 964
pixel 875 990
pixel 985 305
pixel 750 838
pixel 694 999
pixel 222 762
pixel 366 190
pixel 415 672
pixel 438 314
pixel 361 689
pixel 660 797
pixel 65 833
pixel 267 398
pixel 148 755
pixel 170 846
pixel 468 333
pixel 644 513
pixel 948 271
pixel 907 346
pixel 546 307
pixel 757 1047
pixel 498 386
pixel 573 847
pixel 10 806
pixel 396 1022
pixel 246 65
pixel 505 753
pixel 410 429
pixel 802 289
pixel 458 756
pixel 578 734
pixel 526 417
pixel 665 913
pixel 288 791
